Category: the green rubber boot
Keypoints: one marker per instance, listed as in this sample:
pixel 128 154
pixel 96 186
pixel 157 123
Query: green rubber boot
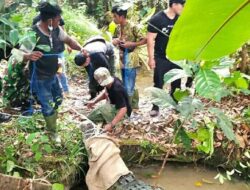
pixel 135 100
pixel 52 128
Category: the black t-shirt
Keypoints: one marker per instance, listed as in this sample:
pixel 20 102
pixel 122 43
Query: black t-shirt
pixel 118 96
pixel 38 18
pixel 162 25
pixel 99 60
pixel 47 66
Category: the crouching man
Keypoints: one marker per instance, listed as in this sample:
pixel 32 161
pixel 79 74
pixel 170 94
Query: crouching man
pixel 117 108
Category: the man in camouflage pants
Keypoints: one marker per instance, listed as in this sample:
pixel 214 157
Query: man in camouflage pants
pixel 3 117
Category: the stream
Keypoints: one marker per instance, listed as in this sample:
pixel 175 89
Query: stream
pixel 178 176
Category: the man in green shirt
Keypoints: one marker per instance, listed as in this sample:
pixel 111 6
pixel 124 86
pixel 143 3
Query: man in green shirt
pixel 128 38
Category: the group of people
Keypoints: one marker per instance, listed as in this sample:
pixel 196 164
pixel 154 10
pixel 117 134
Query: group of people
pixel 98 58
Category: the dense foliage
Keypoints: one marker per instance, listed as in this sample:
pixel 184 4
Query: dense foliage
pixel 25 142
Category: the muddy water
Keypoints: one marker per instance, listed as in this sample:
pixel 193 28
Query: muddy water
pixel 186 177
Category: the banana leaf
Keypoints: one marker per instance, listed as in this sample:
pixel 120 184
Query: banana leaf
pixel 210 29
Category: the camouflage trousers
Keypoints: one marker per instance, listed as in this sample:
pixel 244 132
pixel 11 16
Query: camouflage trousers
pixel 103 114
pixel 1 85
pixel 16 86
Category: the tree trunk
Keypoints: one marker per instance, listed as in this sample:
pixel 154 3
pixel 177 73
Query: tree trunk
pixel 245 59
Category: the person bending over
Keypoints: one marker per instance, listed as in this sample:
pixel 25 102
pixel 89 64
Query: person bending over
pixel 96 53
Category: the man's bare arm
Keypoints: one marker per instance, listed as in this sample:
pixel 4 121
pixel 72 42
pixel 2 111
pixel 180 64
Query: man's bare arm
pixel 119 116
pixel 150 46
pixel 73 44
pixel 99 98
pixel 33 56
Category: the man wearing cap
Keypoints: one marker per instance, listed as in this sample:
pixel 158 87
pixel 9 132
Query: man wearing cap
pixel 159 29
pixel 96 53
pixel 128 37
pixel 115 111
pixel 46 64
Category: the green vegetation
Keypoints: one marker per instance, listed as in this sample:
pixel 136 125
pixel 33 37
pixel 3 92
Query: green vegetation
pixel 26 150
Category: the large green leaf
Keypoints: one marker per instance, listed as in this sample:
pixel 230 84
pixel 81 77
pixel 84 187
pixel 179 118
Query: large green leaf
pixel 7 22
pixel 10 166
pixel 160 97
pixel 57 186
pixel 188 106
pixel 180 94
pixel 29 40
pixel 184 138
pixel 174 75
pixel 224 123
pixel 14 37
pixel 207 83
pixel 237 79
pixel 210 29
pixel 45 48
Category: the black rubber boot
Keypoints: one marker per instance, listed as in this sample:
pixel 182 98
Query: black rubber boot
pixel 155 111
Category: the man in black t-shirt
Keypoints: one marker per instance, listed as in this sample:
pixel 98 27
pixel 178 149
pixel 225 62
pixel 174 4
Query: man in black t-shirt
pixel 62 76
pixel 97 52
pixel 159 29
pixel 118 107
pixel 45 64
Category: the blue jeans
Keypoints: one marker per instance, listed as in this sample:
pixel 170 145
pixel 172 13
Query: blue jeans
pixel 129 79
pixel 63 77
pixel 49 95
pixel 63 81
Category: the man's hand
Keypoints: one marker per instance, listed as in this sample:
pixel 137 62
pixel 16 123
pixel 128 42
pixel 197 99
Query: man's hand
pixel 116 41
pixel 108 128
pixel 69 49
pixel 84 52
pixel 91 104
pixel 127 44
pixel 33 56
pixel 60 70
pixel 151 63
pixel 87 62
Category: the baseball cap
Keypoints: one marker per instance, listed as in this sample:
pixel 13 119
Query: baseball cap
pixel 103 77
pixel 80 59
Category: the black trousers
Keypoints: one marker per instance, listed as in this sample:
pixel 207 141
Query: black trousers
pixel 163 66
